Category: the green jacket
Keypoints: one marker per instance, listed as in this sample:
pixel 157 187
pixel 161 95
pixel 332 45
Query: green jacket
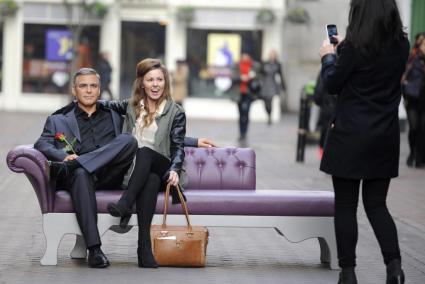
pixel 169 138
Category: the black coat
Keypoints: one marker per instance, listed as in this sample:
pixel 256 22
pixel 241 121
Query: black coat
pixel 364 138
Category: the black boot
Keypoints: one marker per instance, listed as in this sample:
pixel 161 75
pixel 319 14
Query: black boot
pixel 118 210
pixel 347 276
pixel 145 207
pixel 145 257
pixel 410 160
pixel 395 274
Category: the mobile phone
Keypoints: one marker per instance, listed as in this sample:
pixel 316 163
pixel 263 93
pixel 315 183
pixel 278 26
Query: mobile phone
pixel 331 31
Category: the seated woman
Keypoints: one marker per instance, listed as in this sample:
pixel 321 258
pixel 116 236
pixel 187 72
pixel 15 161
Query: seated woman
pixel 159 126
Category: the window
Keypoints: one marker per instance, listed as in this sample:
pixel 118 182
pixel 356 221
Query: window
pixel 139 40
pixel 47 56
pixel 212 56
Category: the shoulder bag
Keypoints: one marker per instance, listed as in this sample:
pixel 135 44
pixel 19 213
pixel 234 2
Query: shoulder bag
pixel 179 246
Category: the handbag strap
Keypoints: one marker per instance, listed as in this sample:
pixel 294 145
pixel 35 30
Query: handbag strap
pixel 183 204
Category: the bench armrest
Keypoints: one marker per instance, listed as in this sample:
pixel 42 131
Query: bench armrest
pixel 25 159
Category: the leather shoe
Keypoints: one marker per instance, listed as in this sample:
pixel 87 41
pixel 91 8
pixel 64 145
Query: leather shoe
pixel 117 211
pixel 347 276
pixel 57 169
pixel 97 259
pixel 395 274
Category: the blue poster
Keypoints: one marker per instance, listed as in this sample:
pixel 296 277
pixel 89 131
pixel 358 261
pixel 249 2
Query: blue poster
pixel 58 45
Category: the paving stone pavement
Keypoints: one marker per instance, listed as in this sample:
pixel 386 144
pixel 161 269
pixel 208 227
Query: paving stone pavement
pixel 235 255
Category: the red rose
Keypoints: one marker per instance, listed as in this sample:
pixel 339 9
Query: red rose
pixel 60 136
pixel 69 146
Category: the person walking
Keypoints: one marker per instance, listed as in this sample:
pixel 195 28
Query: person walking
pixel 180 81
pixel 413 87
pixel 105 72
pixel 247 73
pixel 272 82
pixel 363 143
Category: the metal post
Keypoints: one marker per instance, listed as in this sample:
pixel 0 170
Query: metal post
pixel 302 127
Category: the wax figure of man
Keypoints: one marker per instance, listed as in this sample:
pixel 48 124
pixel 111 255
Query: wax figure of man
pixel 99 157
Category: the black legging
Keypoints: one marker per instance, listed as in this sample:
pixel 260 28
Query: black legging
pixel 374 193
pixel 145 207
pixel 145 182
pixel 416 136
pixel 243 106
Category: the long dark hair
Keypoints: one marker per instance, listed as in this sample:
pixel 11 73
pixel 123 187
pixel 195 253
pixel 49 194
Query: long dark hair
pixel 373 25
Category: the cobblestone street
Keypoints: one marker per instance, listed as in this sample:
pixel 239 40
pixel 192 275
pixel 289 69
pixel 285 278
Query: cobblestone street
pixel 235 255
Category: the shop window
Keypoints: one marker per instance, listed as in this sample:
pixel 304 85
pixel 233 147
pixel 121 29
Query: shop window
pixel 213 55
pixel 139 40
pixel 47 56
pixel 1 56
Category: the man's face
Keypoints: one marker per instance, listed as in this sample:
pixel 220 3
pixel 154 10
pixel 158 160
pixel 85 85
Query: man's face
pixel 86 90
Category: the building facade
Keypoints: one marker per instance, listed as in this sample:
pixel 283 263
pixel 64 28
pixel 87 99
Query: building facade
pixel 36 44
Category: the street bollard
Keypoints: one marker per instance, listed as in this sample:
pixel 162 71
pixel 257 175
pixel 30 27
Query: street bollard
pixel 305 102
pixel 302 128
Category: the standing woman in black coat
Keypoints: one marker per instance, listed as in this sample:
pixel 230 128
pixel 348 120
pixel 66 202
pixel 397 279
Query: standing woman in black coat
pixel 363 142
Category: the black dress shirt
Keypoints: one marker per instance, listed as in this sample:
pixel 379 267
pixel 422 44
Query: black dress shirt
pixel 96 130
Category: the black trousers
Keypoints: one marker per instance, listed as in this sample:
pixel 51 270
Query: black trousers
pixel 244 105
pixel 149 174
pixel 374 193
pixel 416 134
pixel 83 184
pixel 268 104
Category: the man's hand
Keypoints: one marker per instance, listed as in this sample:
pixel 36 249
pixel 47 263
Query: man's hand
pixel 205 143
pixel 70 157
pixel 173 178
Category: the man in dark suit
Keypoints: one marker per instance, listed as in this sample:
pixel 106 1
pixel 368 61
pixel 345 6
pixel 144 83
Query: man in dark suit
pixel 100 156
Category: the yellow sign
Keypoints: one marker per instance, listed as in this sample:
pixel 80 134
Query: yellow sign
pixel 223 49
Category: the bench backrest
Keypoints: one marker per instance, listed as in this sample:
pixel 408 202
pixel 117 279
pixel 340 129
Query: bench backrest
pixel 220 168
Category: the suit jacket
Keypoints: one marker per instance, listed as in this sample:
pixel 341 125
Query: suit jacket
pixel 363 141
pixel 64 121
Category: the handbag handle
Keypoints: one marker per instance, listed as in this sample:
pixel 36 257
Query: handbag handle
pixel 183 204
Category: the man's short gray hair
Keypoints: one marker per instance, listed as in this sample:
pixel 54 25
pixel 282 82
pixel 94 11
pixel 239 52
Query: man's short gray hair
pixel 86 71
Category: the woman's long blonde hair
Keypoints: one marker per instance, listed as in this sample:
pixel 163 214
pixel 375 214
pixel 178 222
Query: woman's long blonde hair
pixel 138 92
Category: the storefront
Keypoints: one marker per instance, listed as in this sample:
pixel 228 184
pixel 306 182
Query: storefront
pixel 47 55
pixel 212 57
pixel 36 55
pixel 138 40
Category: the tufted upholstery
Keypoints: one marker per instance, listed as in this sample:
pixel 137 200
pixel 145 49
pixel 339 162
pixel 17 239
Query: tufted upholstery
pixel 221 182
pixel 221 192
pixel 220 168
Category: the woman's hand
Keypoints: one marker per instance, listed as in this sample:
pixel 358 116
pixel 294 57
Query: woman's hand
pixel 327 48
pixel 173 178
pixel 206 143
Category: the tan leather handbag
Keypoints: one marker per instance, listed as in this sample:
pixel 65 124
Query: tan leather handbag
pixel 181 246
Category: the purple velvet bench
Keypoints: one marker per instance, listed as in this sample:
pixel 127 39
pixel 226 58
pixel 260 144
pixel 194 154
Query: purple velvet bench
pixel 221 192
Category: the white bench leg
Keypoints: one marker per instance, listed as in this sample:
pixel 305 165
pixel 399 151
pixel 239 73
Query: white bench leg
pixel 53 237
pixel 328 251
pixel 79 250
